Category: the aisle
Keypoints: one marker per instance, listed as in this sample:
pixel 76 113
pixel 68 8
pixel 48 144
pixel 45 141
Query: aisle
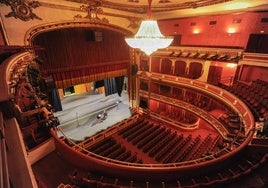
pixel 78 119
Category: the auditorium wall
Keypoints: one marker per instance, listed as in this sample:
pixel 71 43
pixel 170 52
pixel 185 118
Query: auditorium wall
pixel 219 30
pixel 250 73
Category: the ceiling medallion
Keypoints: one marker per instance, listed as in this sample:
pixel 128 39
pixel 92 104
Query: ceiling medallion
pixel 22 9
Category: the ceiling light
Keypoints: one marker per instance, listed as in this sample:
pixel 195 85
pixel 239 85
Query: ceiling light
pixel 149 38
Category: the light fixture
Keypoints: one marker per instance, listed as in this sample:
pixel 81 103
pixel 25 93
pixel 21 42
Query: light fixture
pixel 196 31
pixel 231 65
pixel 149 38
pixel 231 30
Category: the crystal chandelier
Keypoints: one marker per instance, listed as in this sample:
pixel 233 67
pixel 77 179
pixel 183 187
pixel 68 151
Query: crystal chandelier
pixel 149 38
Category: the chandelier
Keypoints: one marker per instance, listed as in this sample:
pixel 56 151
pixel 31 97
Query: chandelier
pixel 149 38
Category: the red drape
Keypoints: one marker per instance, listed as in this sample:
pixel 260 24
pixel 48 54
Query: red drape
pixel 74 56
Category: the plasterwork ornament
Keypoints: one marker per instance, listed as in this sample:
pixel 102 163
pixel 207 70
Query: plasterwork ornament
pixel 93 10
pixel 22 9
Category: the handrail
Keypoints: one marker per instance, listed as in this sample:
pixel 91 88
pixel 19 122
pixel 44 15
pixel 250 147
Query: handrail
pixel 4 175
pixel 102 163
pixel 199 112
pixel 84 151
pixel 219 93
pixel 187 126
pixel 95 138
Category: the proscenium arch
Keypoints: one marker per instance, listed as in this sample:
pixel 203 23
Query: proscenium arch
pixel 34 31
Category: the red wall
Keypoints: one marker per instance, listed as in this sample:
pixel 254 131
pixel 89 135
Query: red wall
pixel 216 35
pixel 250 73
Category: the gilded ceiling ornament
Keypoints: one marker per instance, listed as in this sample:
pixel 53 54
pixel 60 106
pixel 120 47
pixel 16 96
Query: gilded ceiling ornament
pixel 93 10
pixel 22 9
pixel 159 5
pixel 134 22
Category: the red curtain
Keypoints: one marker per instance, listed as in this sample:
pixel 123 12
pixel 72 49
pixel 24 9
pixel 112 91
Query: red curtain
pixel 74 56
pixel 180 68
pixel 195 70
pixel 166 66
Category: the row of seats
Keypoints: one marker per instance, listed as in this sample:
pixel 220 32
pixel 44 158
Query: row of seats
pixel 135 136
pixel 168 146
pixel 178 149
pixel 157 140
pixel 165 145
pixel 162 144
pixel 254 95
pixel 148 137
pixel 231 122
pixel 244 165
pixel 162 154
pixel 132 128
pixel 174 152
pixel 111 149
pixel 201 149
pixel 187 150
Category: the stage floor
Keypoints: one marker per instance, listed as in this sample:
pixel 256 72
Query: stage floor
pixel 78 119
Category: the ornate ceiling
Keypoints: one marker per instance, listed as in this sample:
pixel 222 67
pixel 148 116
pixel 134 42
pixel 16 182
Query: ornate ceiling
pixel 167 9
pixel 136 9
pixel 140 6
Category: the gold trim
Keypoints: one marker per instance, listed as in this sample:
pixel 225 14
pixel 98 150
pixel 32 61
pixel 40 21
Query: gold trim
pixel 34 31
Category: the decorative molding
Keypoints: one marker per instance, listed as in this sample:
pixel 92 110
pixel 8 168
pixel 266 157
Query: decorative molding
pixel 140 7
pixel 71 24
pixel 134 22
pixel 93 10
pixel 233 55
pixel 22 9
pixel 93 7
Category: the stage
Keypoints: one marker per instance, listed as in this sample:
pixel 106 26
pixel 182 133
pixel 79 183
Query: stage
pixel 84 115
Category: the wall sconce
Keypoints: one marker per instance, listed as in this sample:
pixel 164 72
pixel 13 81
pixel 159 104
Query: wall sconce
pixel 231 30
pixel 196 31
pixel 231 65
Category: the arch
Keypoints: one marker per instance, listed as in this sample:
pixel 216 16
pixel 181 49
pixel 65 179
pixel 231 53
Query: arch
pixel 180 68
pixel 92 60
pixel 195 70
pixel 34 31
pixel 166 66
